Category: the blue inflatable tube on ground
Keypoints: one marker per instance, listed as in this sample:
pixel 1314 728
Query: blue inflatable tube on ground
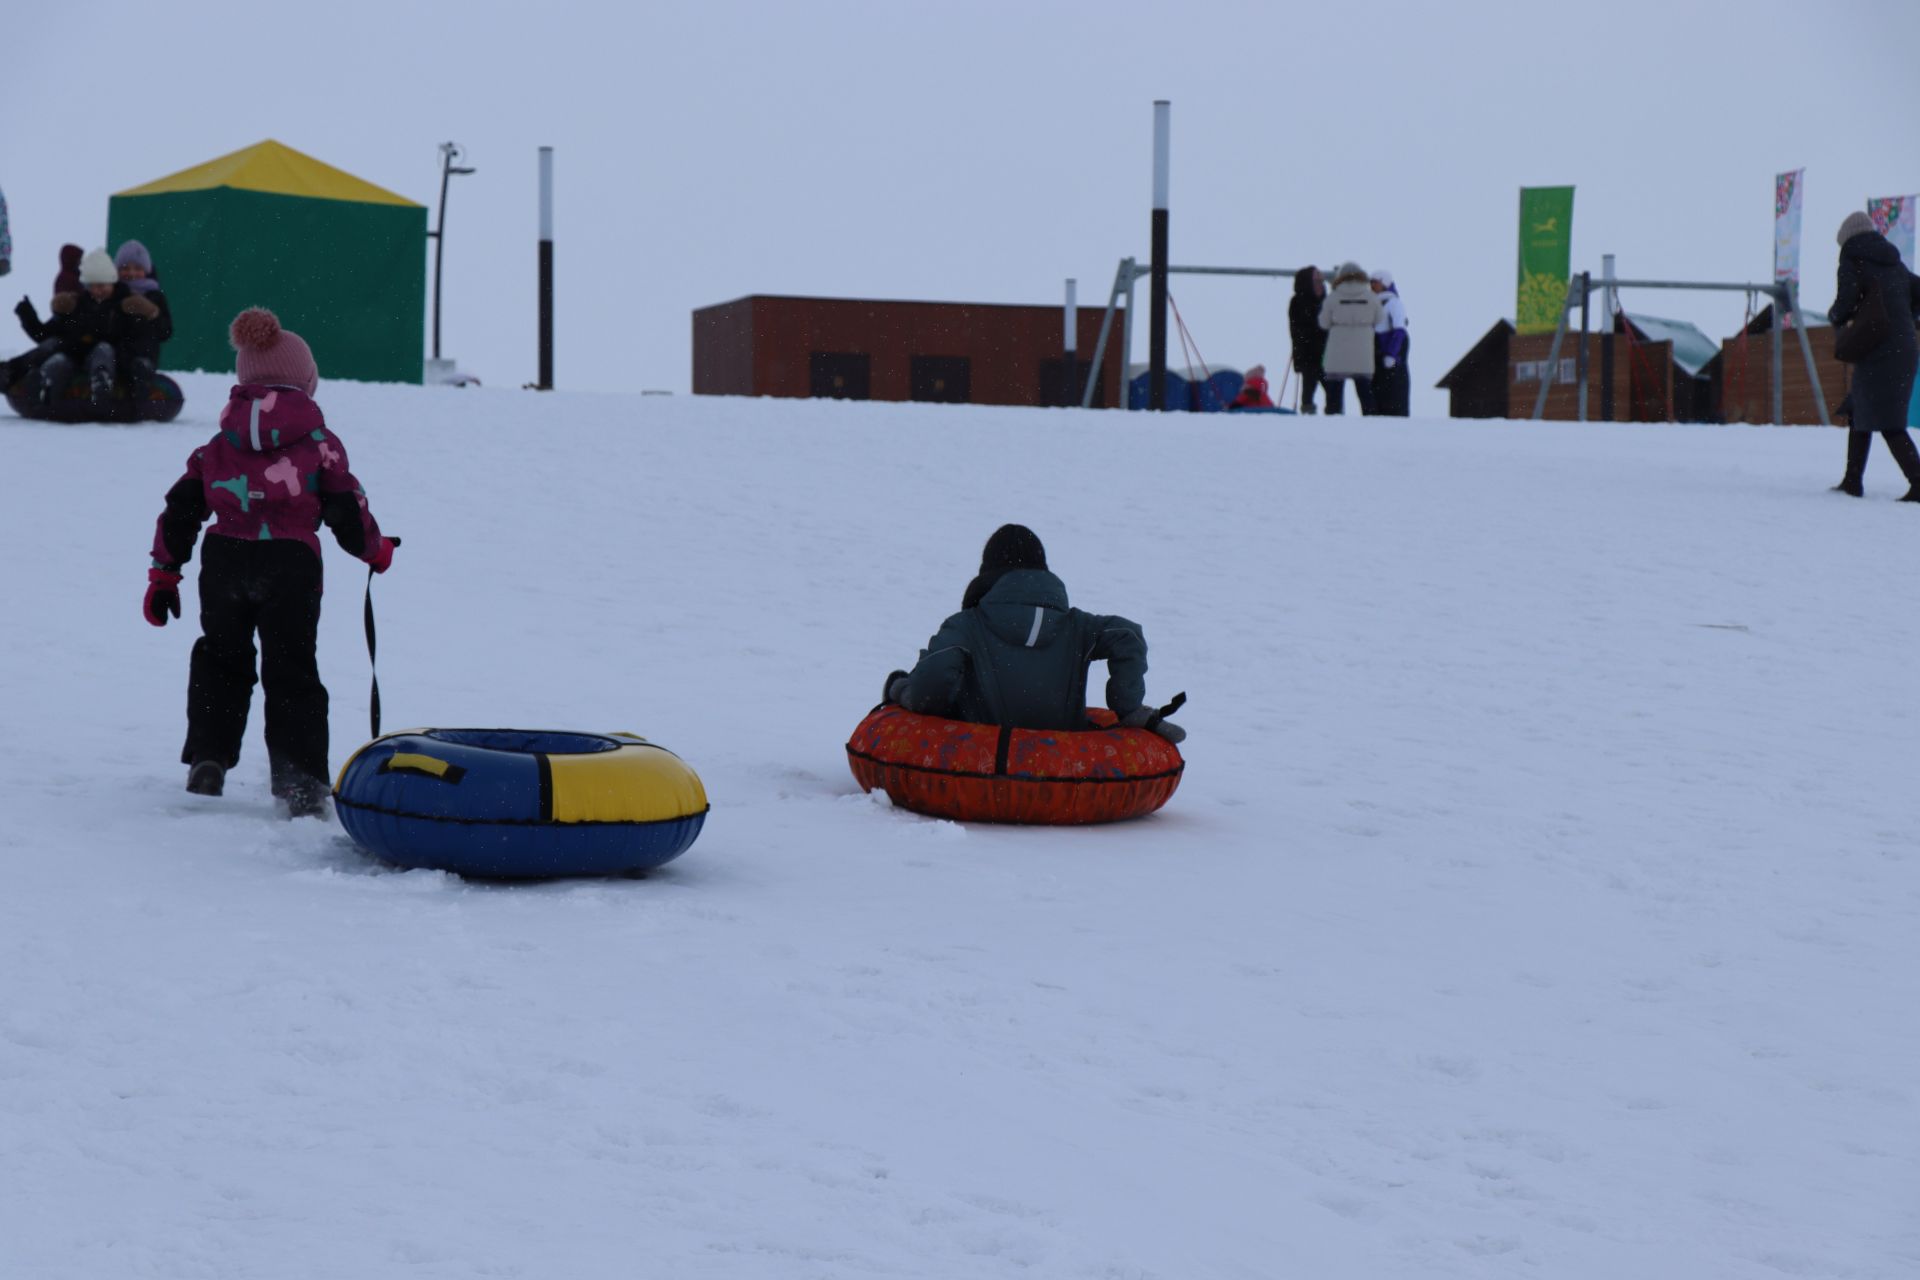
pixel 520 803
pixel 1212 395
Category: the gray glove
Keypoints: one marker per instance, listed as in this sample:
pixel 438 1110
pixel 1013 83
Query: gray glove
pixel 895 687
pixel 1148 718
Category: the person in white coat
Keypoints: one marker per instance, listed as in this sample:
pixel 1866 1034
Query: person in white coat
pixel 1350 314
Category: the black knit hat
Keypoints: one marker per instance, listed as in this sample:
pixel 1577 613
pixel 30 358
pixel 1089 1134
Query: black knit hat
pixel 1013 546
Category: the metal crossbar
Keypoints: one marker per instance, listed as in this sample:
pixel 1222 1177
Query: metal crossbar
pixel 1582 287
pixel 1124 277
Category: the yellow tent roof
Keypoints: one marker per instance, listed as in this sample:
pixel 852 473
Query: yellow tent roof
pixel 276 169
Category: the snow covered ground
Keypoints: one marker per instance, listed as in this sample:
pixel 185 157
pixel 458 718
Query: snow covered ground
pixel 1539 901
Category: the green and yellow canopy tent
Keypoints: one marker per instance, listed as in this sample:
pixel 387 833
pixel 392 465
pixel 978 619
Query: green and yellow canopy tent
pixel 341 261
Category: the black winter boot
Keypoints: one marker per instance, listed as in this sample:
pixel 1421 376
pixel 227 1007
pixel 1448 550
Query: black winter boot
pixel 307 799
pixel 1859 445
pixel 304 797
pixel 1900 445
pixel 100 388
pixel 207 778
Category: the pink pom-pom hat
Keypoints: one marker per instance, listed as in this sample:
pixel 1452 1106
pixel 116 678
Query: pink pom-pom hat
pixel 270 355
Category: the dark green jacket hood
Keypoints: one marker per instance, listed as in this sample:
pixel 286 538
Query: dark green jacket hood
pixel 1027 607
pixel 1020 657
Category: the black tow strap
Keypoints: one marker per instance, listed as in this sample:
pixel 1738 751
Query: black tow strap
pixel 1002 751
pixel 373 698
pixel 1179 701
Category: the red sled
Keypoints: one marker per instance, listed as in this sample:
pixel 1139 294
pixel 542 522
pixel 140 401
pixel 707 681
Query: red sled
pixel 992 773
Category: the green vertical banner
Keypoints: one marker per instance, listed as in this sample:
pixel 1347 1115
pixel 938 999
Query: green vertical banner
pixel 1546 257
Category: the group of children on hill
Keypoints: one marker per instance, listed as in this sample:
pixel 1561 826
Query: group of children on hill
pixel 108 319
pixel 1016 653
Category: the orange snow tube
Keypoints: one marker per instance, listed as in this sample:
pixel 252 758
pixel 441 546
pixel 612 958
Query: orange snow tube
pixel 989 773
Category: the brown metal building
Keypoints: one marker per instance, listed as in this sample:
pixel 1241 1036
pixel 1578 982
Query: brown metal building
pixel 1743 373
pixel 859 349
pixel 1477 385
pixel 1658 374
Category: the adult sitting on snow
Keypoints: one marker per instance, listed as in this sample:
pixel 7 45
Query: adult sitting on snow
pixel 85 326
pixel 146 319
pixel 1017 654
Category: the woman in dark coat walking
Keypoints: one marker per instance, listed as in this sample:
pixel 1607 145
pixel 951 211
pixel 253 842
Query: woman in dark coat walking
pixel 1882 384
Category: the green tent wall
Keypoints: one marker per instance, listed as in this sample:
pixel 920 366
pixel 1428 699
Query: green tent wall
pixel 340 261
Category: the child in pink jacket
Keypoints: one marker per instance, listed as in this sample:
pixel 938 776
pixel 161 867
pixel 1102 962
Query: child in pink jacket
pixel 271 477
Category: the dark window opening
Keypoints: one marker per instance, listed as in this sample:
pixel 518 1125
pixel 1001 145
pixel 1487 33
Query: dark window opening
pixel 941 379
pixel 1056 390
pixel 839 375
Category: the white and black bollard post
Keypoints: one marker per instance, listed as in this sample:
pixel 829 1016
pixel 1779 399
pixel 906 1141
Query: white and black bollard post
pixel 546 269
pixel 1071 377
pixel 1157 294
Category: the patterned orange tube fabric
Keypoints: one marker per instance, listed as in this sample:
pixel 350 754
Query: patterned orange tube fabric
pixel 986 773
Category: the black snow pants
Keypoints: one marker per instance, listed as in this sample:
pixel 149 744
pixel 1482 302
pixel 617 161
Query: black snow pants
pixel 138 373
pixel 1310 380
pixel 1393 388
pixel 272 588
pixel 57 370
pixel 27 363
pixel 1362 389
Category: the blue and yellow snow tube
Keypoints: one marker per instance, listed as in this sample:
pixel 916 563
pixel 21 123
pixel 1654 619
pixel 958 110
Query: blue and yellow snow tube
pixel 520 803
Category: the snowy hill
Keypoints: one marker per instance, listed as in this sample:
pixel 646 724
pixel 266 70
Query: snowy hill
pixel 1538 901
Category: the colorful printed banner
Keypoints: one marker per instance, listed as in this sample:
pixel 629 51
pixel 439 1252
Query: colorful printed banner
pixel 1546 257
pixel 1786 228
pixel 1893 218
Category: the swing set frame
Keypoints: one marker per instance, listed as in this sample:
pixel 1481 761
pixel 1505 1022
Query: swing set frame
pixel 1124 277
pixel 1582 287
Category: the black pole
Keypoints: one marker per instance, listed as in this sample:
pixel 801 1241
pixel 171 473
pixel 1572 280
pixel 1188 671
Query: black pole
pixel 1606 368
pixel 546 315
pixel 546 269
pixel 1157 294
pixel 1586 292
pixel 439 252
pixel 449 152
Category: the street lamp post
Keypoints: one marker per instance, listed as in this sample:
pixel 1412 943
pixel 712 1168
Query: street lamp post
pixel 449 153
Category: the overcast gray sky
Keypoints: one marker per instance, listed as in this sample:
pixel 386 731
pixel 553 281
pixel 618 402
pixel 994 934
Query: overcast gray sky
pixel 984 150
